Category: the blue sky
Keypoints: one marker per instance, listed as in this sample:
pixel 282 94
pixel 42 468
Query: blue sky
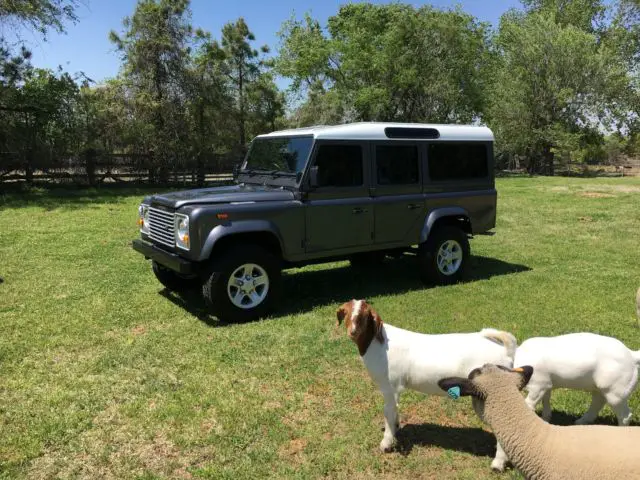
pixel 86 47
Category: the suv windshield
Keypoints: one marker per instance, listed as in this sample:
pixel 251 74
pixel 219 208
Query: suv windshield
pixel 284 155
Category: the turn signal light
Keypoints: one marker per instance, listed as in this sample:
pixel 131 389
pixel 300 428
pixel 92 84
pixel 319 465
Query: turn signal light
pixel 222 216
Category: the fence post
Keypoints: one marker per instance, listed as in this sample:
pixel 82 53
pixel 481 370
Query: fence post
pixel 90 166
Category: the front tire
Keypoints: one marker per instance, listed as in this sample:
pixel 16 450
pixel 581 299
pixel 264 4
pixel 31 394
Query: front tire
pixel 444 257
pixel 242 284
pixel 173 281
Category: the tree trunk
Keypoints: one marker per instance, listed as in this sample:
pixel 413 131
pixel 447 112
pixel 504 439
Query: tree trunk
pixel 28 167
pixel 241 108
pixel 547 158
pixel 200 159
pixel 90 166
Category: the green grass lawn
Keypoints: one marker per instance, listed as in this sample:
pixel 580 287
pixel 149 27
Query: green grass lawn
pixel 103 375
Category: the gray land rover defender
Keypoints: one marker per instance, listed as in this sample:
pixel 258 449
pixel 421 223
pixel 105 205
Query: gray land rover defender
pixel 359 191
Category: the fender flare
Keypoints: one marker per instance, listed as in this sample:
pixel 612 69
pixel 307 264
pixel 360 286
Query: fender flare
pixel 246 226
pixel 437 214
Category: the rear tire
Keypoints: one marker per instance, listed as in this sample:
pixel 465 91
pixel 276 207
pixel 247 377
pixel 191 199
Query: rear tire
pixel 243 284
pixel 173 281
pixel 444 257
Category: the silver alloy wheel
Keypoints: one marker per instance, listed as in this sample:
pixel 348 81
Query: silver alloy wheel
pixel 449 257
pixel 248 286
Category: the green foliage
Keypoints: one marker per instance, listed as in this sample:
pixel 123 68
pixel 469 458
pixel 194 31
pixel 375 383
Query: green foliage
pixel 39 15
pixel 552 86
pixel 251 89
pixel 390 62
pixel 557 81
pixel 587 15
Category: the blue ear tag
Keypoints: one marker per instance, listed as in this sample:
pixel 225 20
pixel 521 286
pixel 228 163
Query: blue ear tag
pixel 454 392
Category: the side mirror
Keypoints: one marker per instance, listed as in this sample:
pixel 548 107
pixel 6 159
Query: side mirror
pixel 313 177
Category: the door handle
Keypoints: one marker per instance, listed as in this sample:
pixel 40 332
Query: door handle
pixel 413 206
pixel 358 210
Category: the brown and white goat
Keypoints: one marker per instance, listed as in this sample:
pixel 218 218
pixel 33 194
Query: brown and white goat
pixel 398 359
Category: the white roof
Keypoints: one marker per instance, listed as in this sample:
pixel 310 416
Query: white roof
pixel 375 131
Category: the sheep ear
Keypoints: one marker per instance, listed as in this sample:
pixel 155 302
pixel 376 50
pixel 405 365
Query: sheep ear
pixel 458 387
pixel 525 373
pixel 378 325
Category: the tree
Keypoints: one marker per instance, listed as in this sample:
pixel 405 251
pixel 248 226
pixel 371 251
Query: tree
pixel 554 85
pixel 155 52
pixel 390 62
pixel 44 123
pixel 39 15
pixel 243 67
pixel 587 15
pixel 210 101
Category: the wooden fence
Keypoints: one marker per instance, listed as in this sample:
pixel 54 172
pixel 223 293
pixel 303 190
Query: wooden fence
pixel 96 169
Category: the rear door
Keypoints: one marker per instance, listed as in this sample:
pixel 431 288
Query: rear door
pixel 399 204
pixel 339 213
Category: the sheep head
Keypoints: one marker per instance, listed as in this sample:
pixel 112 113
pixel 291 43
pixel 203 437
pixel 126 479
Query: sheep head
pixel 484 381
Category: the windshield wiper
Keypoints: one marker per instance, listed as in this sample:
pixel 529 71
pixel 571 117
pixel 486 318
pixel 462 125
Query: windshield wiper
pixel 272 173
pixel 281 173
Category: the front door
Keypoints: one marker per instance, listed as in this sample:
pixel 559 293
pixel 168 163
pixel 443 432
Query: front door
pixel 399 204
pixel 339 211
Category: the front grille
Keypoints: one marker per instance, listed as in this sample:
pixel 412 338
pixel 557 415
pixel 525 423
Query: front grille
pixel 161 227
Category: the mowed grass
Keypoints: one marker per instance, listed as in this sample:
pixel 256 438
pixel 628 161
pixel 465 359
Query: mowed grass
pixel 105 375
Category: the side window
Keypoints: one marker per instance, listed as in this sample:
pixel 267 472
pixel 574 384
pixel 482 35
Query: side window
pixel 457 161
pixel 339 166
pixel 397 165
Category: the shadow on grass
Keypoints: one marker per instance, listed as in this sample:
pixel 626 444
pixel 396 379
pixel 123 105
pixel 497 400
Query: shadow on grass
pixel 304 290
pixel 463 439
pixel 564 419
pixel 471 440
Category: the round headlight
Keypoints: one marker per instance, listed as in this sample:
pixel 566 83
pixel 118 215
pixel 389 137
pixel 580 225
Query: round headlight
pixel 182 231
pixel 143 218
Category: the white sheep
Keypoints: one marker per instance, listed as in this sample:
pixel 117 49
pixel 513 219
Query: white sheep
pixel 397 359
pixel 538 449
pixel 601 365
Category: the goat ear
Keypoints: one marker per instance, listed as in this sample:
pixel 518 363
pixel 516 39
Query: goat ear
pixel 378 325
pixel 340 314
pixel 525 373
pixel 458 387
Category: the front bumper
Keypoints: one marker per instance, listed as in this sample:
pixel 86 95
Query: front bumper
pixel 164 258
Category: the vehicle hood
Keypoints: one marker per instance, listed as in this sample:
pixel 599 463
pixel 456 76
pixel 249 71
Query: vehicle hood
pixel 226 194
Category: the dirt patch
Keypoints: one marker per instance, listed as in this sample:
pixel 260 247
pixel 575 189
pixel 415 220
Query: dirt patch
pixel 595 195
pixel 294 448
pixel 585 219
pixel 139 330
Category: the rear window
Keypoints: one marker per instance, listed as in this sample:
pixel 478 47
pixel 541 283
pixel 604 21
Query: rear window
pixel 457 161
pixel 397 164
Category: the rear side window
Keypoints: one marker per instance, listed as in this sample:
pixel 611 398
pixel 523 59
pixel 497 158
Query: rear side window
pixel 397 164
pixel 339 166
pixel 456 161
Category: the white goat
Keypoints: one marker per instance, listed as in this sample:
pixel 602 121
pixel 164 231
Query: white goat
pixel 397 359
pixel 538 449
pixel 601 365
